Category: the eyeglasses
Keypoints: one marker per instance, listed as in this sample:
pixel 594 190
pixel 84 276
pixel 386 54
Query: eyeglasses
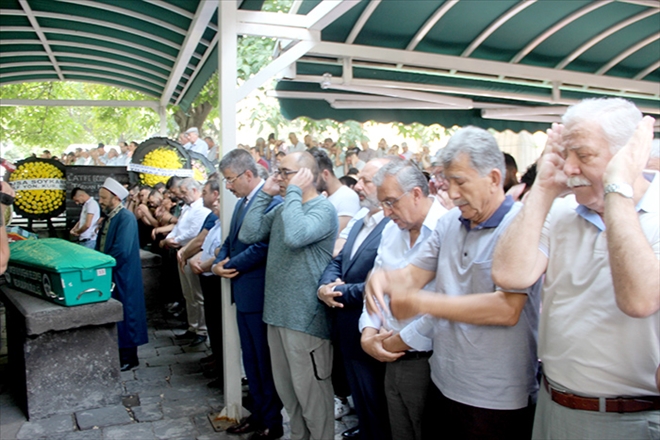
pixel 389 204
pixel 284 173
pixel 233 179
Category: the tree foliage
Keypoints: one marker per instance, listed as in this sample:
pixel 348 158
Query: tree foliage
pixel 54 128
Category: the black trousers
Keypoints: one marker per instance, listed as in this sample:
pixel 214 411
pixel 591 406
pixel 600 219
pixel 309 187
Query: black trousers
pixel 456 420
pixel 213 313
pixel 128 356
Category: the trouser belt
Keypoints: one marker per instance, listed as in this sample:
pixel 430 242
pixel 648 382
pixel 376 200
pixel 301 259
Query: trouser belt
pixel 618 404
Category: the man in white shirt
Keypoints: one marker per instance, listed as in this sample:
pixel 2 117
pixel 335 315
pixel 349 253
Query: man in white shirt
pixel 85 229
pixel 403 192
pixel 407 154
pixel 599 333
pixel 188 227
pixel 195 143
pixel 296 145
pixel 344 199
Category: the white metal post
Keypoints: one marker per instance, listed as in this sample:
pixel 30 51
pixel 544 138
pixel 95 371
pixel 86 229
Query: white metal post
pixel 162 114
pixel 227 54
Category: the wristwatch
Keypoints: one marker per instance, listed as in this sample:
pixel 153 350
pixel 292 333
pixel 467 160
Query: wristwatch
pixel 621 188
pixel 6 199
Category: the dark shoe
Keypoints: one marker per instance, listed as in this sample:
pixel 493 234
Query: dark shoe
pixel 243 428
pixel 217 383
pixel 129 366
pixel 354 432
pixel 187 335
pixel 199 339
pixel 267 434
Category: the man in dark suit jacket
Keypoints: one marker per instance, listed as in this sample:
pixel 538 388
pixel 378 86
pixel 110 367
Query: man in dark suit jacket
pixel 341 288
pixel 245 265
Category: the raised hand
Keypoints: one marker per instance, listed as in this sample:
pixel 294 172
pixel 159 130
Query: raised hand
pixel 551 177
pixel 628 163
pixel 327 295
pixel 302 179
pixel 271 187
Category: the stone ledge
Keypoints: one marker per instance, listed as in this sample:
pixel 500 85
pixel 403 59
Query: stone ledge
pixel 42 316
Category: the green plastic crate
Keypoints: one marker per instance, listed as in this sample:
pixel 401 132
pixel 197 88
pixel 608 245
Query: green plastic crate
pixel 60 271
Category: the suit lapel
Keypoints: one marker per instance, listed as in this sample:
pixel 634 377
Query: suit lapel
pixel 367 243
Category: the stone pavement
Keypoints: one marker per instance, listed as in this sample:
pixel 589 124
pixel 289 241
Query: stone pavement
pixel 166 397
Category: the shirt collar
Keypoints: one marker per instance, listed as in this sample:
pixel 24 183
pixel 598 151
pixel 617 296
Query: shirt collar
pixel 434 214
pixel 255 190
pixel 494 220
pixel 114 212
pixel 648 203
pixel 370 220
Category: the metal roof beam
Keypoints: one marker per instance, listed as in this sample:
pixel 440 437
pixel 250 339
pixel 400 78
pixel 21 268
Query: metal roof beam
pixel 626 53
pixel 273 31
pixel 479 66
pixel 129 13
pixel 405 95
pixel 364 17
pixel 76 103
pixel 496 25
pixel 277 65
pixel 600 37
pixel 557 27
pixel 455 90
pixel 326 12
pixel 102 23
pixel 44 42
pixel 202 62
pixel 647 3
pixel 426 28
pixel 648 70
pixel 393 104
pixel 83 80
pixel 81 56
pixel 203 16
pixel 155 91
pixel 274 18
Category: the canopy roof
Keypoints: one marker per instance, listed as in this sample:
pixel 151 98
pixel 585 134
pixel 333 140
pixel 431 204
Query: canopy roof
pixel 481 62
pixel 156 47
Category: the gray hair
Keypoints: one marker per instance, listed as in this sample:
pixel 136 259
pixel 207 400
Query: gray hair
pixel 263 172
pixel 617 117
pixel 408 176
pixel 190 183
pixel 480 146
pixel 239 161
pixel 655 149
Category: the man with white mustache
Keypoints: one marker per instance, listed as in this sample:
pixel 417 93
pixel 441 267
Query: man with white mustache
pixel 599 333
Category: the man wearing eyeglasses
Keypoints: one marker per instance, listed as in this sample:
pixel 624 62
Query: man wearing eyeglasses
pixel 301 233
pixel 484 362
pixel 245 265
pixel 403 192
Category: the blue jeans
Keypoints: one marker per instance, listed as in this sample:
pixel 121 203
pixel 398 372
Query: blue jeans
pixel 90 244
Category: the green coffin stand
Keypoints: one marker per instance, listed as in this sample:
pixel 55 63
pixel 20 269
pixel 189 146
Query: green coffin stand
pixel 60 271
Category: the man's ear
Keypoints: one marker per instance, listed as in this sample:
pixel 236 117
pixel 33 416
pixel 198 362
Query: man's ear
pixel 495 176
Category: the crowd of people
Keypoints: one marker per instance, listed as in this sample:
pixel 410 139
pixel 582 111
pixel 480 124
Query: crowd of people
pixel 446 296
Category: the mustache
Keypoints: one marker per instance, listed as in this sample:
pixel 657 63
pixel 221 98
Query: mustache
pixel 575 181
pixel 460 202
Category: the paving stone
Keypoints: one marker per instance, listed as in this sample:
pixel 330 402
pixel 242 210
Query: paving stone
pixel 186 368
pixel 190 357
pixel 185 407
pixel 164 351
pixel 44 427
pixel 148 413
pixel 198 348
pixel 102 417
pixel 90 434
pixel 147 352
pixel 161 342
pixel 163 333
pixel 147 388
pixel 218 436
pixel 127 375
pixel 168 429
pixel 189 380
pixel 217 403
pixel 203 425
pixel 159 361
pixel 151 373
pixel 9 412
pixel 136 431
pixel 150 400
pixel 199 393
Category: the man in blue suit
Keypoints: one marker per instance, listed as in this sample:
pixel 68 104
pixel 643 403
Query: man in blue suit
pixel 341 288
pixel 245 265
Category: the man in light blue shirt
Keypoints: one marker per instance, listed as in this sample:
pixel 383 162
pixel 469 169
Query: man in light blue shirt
pixel 403 192
pixel 484 360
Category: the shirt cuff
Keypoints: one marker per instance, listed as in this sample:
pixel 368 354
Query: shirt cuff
pixel 367 320
pixel 411 335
